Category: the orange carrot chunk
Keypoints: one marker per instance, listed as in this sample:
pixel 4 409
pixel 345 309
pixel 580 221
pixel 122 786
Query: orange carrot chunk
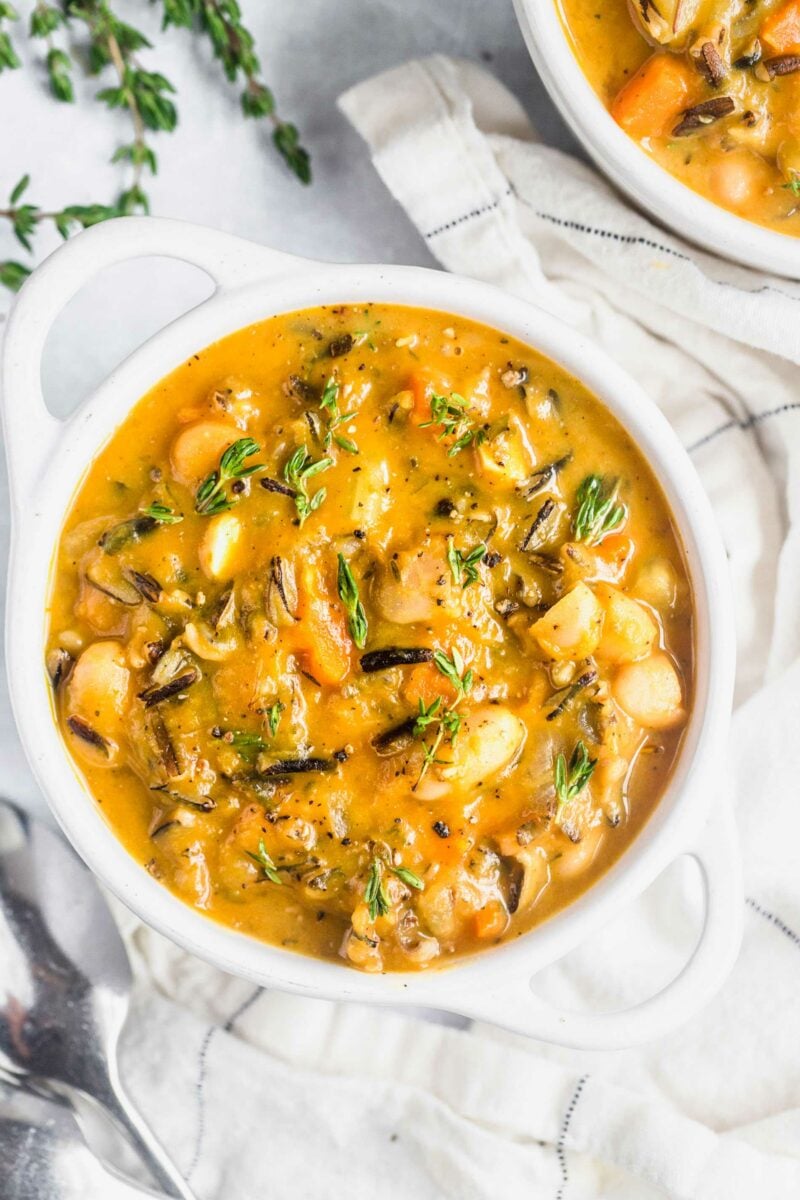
pixel 650 103
pixel 780 31
pixel 323 641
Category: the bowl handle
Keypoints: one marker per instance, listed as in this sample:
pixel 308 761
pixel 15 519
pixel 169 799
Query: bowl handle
pixel 715 952
pixel 30 429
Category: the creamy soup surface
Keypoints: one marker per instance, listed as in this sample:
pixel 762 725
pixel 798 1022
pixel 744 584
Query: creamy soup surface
pixel 371 635
pixel 709 88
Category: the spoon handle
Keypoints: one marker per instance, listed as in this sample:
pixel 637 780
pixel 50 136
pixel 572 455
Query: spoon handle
pixel 138 1133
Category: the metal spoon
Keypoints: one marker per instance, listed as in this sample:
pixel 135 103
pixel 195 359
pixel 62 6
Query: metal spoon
pixel 44 1156
pixel 65 982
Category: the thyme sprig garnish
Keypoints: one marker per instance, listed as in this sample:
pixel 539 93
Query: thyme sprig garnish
pixel 234 47
pixel 571 777
pixel 451 412
pixel 146 95
pixel 793 185
pixel 445 718
pixel 263 860
pixel 348 594
pixel 273 715
pixel 464 566
pixel 376 896
pixel 247 745
pixel 212 497
pixel 329 403
pixel 298 470
pixel 598 509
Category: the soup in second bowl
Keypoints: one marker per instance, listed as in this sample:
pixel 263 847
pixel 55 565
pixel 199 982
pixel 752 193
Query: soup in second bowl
pixel 371 634
pixel 709 88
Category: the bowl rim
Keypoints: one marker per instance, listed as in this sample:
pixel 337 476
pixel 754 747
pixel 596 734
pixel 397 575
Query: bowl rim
pixel 680 813
pixel 674 204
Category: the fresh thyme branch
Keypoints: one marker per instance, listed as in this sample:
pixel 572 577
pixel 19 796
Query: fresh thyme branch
pixel 145 95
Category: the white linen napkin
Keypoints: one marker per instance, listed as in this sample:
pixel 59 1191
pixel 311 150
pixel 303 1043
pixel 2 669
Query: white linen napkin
pixel 260 1094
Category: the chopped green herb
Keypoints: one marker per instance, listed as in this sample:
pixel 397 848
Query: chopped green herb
pixel 464 567
pixel 329 402
pixel 453 669
pixel 598 511
pixel 248 745
pixel 298 470
pixel 265 862
pixel 274 717
pixel 211 496
pixel 793 185
pixel 451 414
pixel 447 720
pixel 161 513
pixel 571 778
pixel 375 897
pixel 408 877
pixel 348 594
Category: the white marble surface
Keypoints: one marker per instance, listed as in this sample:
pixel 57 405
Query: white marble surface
pixel 219 170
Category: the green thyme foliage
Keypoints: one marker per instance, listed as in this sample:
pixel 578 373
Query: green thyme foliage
pixel 298 470
pixel 348 594
pixel 8 55
pixel 213 495
pixel 570 778
pixel 375 895
pixel 464 566
pixel 234 46
pixel 598 511
pixel 263 860
pixel 146 94
pixel 451 412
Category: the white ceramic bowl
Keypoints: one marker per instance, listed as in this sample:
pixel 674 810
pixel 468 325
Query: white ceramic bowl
pixel 673 203
pixel 47 460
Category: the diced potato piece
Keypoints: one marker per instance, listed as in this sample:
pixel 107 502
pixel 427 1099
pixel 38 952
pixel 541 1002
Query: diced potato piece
pixel 650 692
pixel 508 457
pixel 657 584
pixel 629 630
pixel 573 626
pixel 489 740
pixel 218 548
pixel 413 589
pixel 198 448
pixel 99 686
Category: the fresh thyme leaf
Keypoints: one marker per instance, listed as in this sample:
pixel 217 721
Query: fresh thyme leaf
pixel 265 862
pixel 161 513
pixel 298 470
pixel 211 496
pixel 408 877
pixel 248 745
pixel 453 669
pixel 447 720
pixel 464 567
pixel 451 413
pixel 13 274
pixel 598 511
pixel 329 403
pixel 793 186
pixel 348 594
pixel 571 778
pixel 375 896
pixel 274 717
pixel 8 55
